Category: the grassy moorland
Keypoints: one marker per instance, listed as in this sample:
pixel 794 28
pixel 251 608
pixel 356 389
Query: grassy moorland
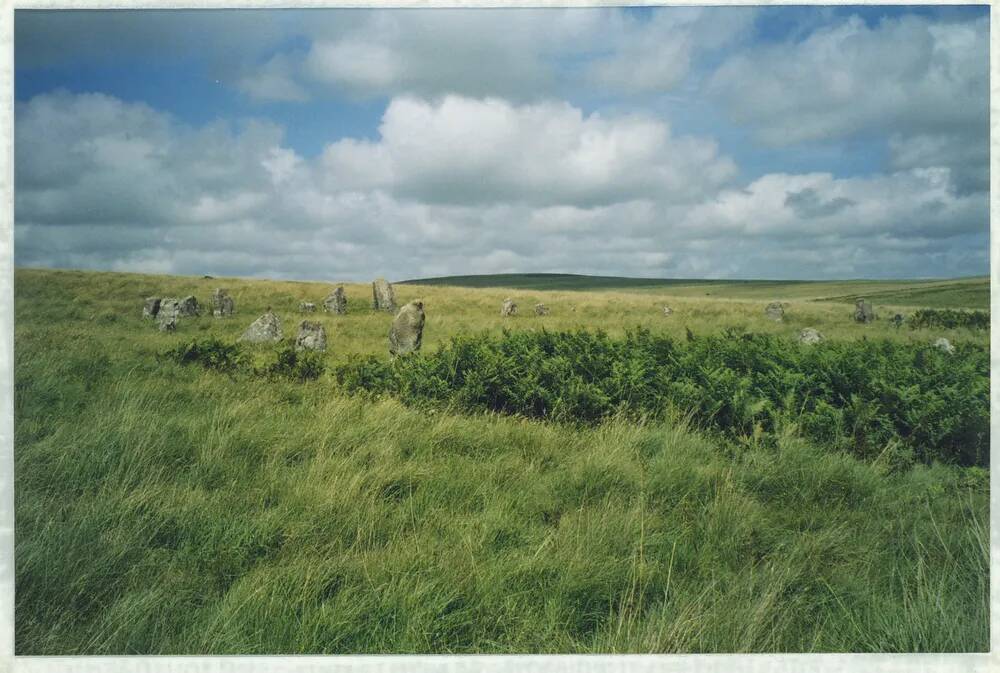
pixel 169 508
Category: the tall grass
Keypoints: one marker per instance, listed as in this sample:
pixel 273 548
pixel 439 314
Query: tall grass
pixel 165 509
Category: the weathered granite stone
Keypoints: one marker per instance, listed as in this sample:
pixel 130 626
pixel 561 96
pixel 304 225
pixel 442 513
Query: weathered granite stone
pixel 222 304
pixel 944 345
pixel 509 308
pixel 383 296
pixel 863 311
pixel 307 307
pixel 336 301
pixel 151 307
pixel 166 317
pixel 311 336
pixel 264 329
pixel 541 309
pixel 407 331
pixel 775 311
pixel 667 311
pixel 810 336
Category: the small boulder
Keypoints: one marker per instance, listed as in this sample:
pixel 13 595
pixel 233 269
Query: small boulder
pixel 188 306
pixel 307 307
pixel 336 301
pixel 863 311
pixel 667 311
pixel 509 308
pixel 383 297
pixel 222 304
pixel 407 331
pixel 775 311
pixel 541 309
pixel 311 336
pixel 151 307
pixel 810 336
pixel 264 329
pixel 944 346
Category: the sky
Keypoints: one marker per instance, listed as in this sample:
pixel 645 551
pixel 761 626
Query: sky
pixel 823 142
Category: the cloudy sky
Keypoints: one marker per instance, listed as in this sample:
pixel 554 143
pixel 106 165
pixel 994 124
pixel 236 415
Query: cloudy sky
pixel 730 142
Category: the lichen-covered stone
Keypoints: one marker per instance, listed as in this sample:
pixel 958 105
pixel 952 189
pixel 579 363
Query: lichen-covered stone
pixel 667 311
pixel 509 308
pixel 541 309
pixel 166 317
pixel 775 311
pixel 810 336
pixel 311 336
pixel 407 331
pixel 307 307
pixel 222 304
pixel 266 328
pixel 383 296
pixel 863 311
pixel 151 307
pixel 336 301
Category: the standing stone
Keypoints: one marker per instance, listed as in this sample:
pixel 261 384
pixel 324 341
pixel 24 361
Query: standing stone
pixel 166 317
pixel 307 307
pixel 775 311
pixel 407 331
pixel 667 311
pixel 311 336
pixel 863 311
pixel 944 345
pixel 383 297
pixel 263 329
pixel 541 309
pixel 509 308
pixel 222 304
pixel 336 301
pixel 810 336
pixel 151 307
pixel 188 306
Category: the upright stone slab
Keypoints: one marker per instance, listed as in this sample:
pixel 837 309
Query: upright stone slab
pixel 775 311
pixel 188 306
pixel 264 329
pixel 383 297
pixel 541 309
pixel 151 307
pixel 223 305
pixel 810 336
pixel 863 311
pixel 166 317
pixel 509 308
pixel 407 331
pixel 311 336
pixel 336 301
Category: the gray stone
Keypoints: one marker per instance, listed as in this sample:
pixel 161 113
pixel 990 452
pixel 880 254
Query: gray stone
pixel 336 301
pixel 307 307
pixel 775 311
pixel 383 297
pixel 407 331
pixel 944 345
pixel 509 308
pixel 188 306
pixel 166 317
pixel 863 311
pixel 810 336
pixel 541 309
pixel 668 311
pixel 263 329
pixel 151 307
pixel 311 336
pixel 222 304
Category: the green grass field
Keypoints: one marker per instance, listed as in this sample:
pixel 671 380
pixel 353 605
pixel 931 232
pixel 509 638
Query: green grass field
pixel 168 509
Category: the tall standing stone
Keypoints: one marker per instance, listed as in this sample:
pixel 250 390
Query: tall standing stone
pixel 336 301
pixel 509 308
pixel 407 331
pixel 151 307
pixel 263 329
pixel 166 317
pixel 311 336
pixel 863 311
pixel 775 311
pixel 383 297
pixel 222 304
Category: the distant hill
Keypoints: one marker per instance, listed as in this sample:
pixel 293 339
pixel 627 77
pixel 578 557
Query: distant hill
pixel 561 281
